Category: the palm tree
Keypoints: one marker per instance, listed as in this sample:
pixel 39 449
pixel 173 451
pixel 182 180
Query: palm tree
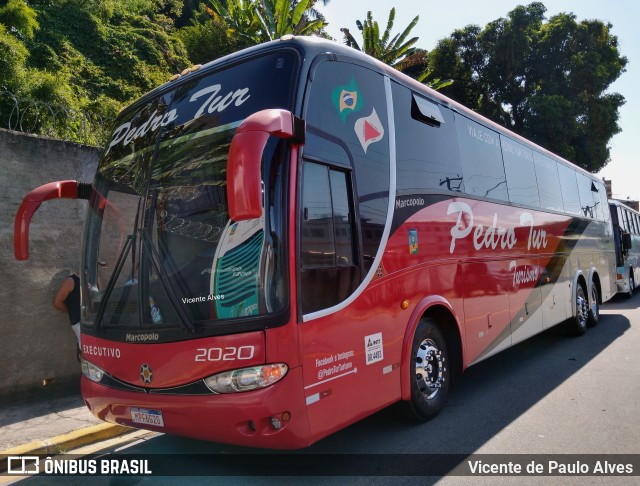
pixel 281 17
pixel 390 51
pixel 250 22
pixel 238 18
pixel 397 52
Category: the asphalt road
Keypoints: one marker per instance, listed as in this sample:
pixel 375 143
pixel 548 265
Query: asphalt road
pixel 550 396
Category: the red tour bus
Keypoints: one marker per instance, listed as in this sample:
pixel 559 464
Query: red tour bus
pixel 291 238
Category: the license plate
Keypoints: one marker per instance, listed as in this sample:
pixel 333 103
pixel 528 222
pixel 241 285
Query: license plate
pixel 147 417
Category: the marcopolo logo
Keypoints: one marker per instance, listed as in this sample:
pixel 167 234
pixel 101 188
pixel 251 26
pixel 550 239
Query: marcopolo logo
pixel 143 337
pixel 146 375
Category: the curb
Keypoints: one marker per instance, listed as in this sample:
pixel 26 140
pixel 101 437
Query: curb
pixel 66 442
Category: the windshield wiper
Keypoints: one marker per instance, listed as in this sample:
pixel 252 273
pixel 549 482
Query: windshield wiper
pixel 163 280
pixel 155 259
pixel 112 281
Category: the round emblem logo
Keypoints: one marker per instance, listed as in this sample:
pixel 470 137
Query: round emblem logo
pixel 145 374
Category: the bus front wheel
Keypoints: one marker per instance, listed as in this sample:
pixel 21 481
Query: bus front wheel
pixel 429 372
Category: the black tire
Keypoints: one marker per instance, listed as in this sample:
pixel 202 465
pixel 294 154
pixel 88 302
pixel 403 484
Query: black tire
pixel 594 306
pixel 429 372
pixel 632 285
pixel 579 321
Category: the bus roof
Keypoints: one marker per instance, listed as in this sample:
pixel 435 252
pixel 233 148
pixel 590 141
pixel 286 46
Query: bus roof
pixel 314 46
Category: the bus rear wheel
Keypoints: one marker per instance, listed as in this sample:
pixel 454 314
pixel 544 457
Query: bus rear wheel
pixel 632 285
pixel 429 372
pixel 594 310
pixel 579 322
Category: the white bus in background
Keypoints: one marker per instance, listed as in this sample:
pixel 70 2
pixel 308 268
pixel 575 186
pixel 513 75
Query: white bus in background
pixel 626 224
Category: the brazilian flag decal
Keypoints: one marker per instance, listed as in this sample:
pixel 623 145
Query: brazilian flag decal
pixel 347 99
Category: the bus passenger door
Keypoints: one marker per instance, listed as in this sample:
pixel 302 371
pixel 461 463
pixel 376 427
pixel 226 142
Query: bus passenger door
pixel 336 342
pixel 349 335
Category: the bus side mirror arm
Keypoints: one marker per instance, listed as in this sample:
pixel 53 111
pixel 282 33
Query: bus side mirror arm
pixel 244 185
pixel 31 203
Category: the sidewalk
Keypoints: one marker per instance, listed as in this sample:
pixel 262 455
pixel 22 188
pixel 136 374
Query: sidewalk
pixel 51 423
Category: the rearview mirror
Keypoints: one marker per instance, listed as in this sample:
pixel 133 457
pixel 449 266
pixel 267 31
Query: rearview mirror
pixel 244 185
pixel 31 203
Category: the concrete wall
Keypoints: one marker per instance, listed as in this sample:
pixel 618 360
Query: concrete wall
pixel 36 340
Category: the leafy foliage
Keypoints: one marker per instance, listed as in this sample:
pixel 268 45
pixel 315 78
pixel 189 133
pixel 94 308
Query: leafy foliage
pixel 86 61
pixel 391 51
pixel 544 80
pixel 250 22
pixel 397 52
pixel 205 40
pixel 71 65
pixel 20 18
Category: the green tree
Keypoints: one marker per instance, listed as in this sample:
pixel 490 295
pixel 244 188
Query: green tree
pixel 205 40
pixel 251 22
pixel 394 51
pixel 13 58
pixel 86 61
pixel 545 80
pixel 397 51
pixel 19 18
pixel 239 20
pixel 282 17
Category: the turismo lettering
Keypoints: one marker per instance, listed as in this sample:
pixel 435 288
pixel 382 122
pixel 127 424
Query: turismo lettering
pixel 494 236
pixel 523 274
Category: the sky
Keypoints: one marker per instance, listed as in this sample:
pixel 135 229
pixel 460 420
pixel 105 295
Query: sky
pixel 438 19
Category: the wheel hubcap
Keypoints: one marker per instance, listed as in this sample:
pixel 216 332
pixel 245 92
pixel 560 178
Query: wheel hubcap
pixel 430 368
pixel 582 309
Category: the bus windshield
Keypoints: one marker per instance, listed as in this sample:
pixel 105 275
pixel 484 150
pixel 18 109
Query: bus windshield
pixel 160 252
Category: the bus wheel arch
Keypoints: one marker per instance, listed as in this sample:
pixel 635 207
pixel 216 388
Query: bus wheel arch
pixel 432 356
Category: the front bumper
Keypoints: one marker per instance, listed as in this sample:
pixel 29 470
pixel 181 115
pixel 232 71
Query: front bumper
pixel 241 418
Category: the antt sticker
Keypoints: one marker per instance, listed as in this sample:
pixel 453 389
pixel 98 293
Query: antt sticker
pixel 369 130
pixel 373 348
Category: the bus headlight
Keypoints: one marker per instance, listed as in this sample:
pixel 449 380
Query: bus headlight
pixel 246 379
pixel 91 371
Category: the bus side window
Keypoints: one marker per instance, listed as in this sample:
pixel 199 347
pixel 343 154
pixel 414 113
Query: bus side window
pixel 426 145
pixel 481 156
pixel 520 172
pixel 589 199
pixel 569 186
pixel 548 182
